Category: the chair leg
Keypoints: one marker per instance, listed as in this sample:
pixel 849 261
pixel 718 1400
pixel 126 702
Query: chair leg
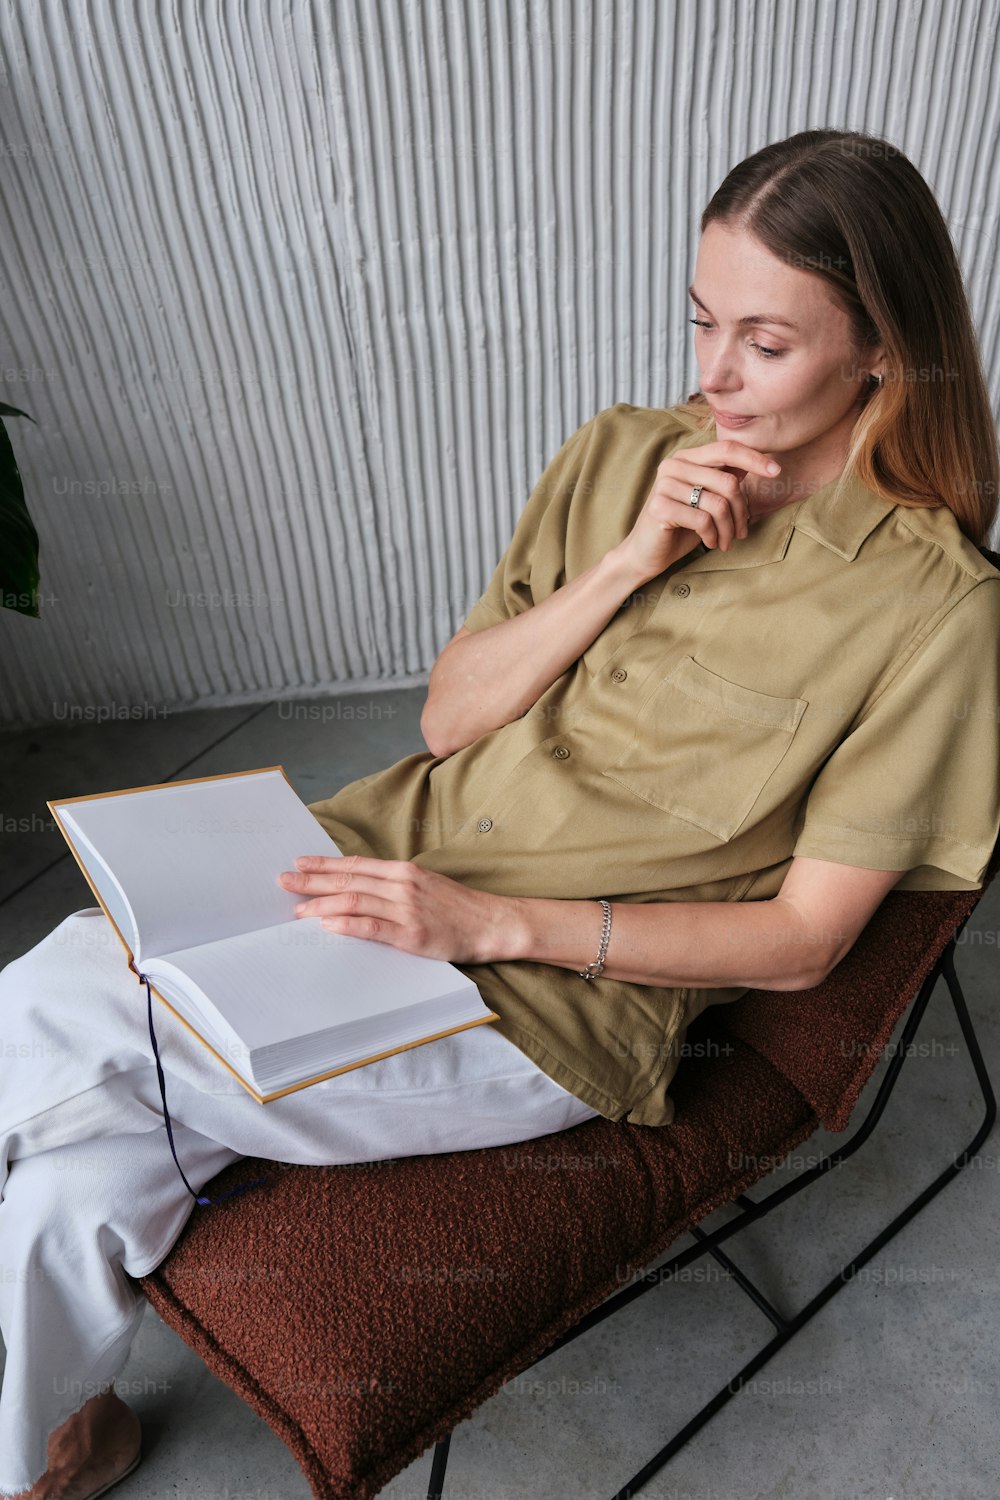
pixel 438 1466
pixel 975 1053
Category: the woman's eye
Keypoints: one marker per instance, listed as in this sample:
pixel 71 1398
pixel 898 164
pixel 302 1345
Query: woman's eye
pixel 762 349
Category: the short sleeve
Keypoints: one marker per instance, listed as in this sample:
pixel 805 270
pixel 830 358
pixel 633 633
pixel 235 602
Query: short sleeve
pixel 915 786
pixel 539 536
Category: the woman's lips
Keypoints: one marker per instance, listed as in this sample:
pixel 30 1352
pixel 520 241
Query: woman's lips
pixel 728 419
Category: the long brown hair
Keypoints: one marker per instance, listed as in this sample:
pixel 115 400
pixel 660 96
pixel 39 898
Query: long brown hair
pixel 855 211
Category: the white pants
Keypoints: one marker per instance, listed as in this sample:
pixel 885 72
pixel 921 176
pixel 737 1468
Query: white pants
pixel 89 1188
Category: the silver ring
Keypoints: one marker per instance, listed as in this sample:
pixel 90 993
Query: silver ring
pixel 696 494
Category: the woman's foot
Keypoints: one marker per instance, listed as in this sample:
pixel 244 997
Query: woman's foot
pixel 90 1451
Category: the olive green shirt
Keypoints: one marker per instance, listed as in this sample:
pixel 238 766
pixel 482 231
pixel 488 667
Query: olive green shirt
pixel 828 687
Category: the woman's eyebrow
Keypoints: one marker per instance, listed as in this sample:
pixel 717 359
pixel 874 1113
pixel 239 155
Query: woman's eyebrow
pixel 752 319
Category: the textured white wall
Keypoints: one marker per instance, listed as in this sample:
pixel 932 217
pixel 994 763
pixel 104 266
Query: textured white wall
pixel 304 296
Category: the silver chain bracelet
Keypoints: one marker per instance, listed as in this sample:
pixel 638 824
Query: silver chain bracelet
pixel 592 970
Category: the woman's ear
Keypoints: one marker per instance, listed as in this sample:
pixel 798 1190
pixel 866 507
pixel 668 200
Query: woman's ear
pixel 875 362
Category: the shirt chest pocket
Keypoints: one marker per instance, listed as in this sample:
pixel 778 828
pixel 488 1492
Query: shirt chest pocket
pixel 705 747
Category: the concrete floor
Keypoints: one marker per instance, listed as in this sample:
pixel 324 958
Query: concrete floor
pixel 891 1392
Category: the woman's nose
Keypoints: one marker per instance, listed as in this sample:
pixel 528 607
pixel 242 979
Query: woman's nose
pixel 721 373
pixel 719 379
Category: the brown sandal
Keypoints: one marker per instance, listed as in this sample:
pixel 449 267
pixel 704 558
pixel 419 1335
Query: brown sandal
pixel 111 1482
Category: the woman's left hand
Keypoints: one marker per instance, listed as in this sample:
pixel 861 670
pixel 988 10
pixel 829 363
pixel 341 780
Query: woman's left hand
pixel 397 902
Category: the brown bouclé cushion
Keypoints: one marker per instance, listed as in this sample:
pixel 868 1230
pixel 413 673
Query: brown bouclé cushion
pixel 363 1311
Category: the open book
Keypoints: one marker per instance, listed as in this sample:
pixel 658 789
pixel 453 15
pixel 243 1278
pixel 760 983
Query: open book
pixel 186 872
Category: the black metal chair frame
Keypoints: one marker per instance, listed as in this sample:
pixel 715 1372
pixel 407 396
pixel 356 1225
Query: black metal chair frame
pixel 752 1210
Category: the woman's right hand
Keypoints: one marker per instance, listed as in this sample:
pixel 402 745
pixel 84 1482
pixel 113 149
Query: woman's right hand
pixel 669 527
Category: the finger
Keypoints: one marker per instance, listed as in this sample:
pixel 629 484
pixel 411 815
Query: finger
pixel 730 501
pixel 740 477
pixel 351 905
pixel 368 864
pixel 341 882
pixel 317 861
pixel 712 518
pixel 346 862
pixel 728 453
pixel 327 865
pixel 374 929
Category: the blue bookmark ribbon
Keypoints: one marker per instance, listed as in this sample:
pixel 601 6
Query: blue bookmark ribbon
pixel 243 1187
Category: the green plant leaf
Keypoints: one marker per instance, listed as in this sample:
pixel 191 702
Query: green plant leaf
pixel 18 537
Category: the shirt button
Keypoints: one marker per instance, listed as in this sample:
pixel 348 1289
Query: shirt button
pixel 560 752
pixel 683 589
pixel 619 674
pixel 485 824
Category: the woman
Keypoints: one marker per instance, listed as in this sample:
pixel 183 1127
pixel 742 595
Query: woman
pixel 735 678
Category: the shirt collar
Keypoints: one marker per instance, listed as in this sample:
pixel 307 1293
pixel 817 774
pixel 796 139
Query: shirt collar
pixel 840 515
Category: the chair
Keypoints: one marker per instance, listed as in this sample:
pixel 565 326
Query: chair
pixel 433 1280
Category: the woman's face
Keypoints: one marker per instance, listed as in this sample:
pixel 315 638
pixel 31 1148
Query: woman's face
pixel 800 379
